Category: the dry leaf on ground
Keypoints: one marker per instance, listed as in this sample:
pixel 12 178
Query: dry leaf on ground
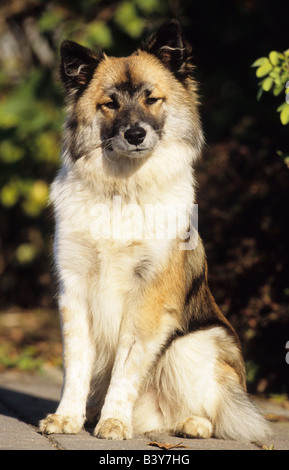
pixel 167 445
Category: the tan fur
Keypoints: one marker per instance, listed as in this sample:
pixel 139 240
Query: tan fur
pixel 145 345
pixel 163 297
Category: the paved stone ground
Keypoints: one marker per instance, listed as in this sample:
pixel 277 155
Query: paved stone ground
pixel 26 398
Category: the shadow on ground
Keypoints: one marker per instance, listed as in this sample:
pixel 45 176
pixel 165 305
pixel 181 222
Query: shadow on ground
pixel 33 408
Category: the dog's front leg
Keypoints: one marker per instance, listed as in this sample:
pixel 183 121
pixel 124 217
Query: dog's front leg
pixel 132 363
pixel 78 359
pixel 137 351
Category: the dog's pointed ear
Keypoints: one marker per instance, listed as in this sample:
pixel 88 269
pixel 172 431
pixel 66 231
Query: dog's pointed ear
pixel 170 47
pixel 77 65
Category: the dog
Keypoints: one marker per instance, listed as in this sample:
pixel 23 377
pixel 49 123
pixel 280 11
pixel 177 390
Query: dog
pixel 145 346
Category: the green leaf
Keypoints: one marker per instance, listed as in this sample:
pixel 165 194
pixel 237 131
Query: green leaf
pixel 281 107
pixel 260 62
pixel 26 253
pixel 264 69
pixel 284 77
pixel 9 152
pixel 36 199
pixel 267 83
pixel 274 57
pixel 49 20
pixel 9 194
pixel 278 89
pixel 99 34
pixel 126 16
pixel 275 73
pixel 284 115
pixel 148 6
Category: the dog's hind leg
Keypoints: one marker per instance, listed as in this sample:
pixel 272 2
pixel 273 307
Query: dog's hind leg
pixel 200 395
pixel 194 426
pixel 186 387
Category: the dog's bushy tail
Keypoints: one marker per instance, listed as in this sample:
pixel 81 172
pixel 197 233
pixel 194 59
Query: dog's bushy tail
pixel 238 418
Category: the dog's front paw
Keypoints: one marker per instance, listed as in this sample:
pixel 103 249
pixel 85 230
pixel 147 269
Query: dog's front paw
pixel 112 428
pixel 58 424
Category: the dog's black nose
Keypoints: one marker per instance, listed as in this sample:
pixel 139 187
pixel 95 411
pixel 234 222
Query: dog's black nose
pixel 135 135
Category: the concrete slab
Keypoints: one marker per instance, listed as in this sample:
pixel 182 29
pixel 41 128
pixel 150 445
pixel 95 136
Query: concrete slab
pixel 27 398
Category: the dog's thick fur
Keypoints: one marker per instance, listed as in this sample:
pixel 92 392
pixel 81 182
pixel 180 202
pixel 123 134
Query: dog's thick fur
pixel 145 346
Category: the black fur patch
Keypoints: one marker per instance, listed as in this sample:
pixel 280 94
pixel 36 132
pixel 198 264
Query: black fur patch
pixel 170 47
pixel 77 67
pixel 127 85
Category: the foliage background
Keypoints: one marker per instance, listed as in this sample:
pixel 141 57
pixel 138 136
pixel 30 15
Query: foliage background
pixel 243 183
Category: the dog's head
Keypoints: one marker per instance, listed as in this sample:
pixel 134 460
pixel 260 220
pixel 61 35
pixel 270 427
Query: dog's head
pixel 127 105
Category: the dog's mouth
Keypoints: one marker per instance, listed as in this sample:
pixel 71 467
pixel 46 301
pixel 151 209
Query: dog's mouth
pixel 138 151
pixel 135 152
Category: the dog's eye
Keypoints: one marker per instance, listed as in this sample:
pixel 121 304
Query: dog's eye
pixel 150 101
pixel 110 105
